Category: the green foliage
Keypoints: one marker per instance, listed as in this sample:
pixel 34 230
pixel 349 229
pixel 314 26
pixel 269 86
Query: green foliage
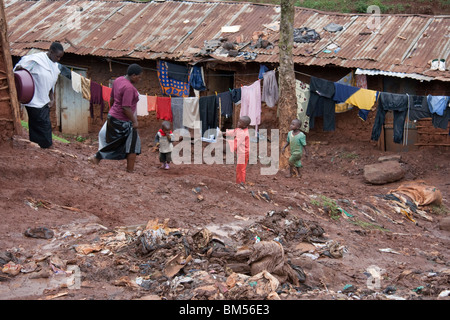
pixel 329 205
pixel 54 136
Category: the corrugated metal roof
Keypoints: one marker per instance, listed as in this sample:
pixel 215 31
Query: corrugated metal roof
pixel 403 44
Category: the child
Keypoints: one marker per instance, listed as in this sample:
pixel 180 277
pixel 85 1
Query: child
pixel 297 140
pixel 241 146
pixel 164 139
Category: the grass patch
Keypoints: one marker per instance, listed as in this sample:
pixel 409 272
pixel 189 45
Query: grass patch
pixel 54 136
pixel 348 155
pixel 440 210
pixel 368 225
pixel 329 205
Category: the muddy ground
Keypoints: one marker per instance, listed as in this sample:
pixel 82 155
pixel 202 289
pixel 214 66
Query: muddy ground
pixel 191 233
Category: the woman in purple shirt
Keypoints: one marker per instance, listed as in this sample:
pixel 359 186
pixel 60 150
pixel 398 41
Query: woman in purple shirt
pixel 122 138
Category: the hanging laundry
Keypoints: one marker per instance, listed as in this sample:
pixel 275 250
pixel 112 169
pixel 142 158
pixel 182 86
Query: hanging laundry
pixel 361 98
pixel 236 95
pixel 142 106
pixel 208 112
pixel 191 113
pixel 262 69
pixel 361 82
pixel 251 103
pixel 418 108
pixel 151 103
pixel 178 72
pixel 106 95
pixel 302 93
pixel 270 92
pixel 169 86
pixel 177 112
pixel 196 78
pixel 398 103
pixel 164 109
pixel 343 106
pixel 437 104
pixel 321 103
pixel 226 104
pixel 86 88
pixel 441 122
pixel 96 98
pixel 76 81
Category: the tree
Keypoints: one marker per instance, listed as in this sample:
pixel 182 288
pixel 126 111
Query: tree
pixel 287 105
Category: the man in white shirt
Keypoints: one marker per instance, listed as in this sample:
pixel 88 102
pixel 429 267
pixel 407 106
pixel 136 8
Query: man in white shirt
pixel 44 68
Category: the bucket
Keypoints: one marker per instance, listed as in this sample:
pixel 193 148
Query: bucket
pixel 24 85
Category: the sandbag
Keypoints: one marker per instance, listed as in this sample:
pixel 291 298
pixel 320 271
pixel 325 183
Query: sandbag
pixel 421 193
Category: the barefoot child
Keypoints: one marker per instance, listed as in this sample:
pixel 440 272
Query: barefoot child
pixel 163 139
pixel 297 140
pixel 241 146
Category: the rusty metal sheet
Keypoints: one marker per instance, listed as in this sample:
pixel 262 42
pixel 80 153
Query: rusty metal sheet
pixel 178 31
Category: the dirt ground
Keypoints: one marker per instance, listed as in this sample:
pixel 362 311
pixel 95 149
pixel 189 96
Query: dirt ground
pixel 188 233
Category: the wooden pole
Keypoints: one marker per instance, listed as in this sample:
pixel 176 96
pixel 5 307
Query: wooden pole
pixel 6 53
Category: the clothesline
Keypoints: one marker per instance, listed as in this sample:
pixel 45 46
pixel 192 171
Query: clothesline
pixel 340 93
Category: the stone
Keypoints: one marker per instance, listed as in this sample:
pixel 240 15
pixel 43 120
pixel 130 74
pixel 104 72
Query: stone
pixel 383 172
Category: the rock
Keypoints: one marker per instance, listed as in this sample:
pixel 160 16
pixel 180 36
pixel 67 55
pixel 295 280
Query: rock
pixel 445 224
pixel 383 172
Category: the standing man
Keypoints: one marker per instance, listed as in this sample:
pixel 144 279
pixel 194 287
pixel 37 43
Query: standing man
pixel 44 68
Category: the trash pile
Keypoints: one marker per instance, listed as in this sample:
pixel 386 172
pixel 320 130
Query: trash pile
pixel 263 260
pixel 227 47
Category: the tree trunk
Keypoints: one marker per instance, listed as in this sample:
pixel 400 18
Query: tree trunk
pixel 287 105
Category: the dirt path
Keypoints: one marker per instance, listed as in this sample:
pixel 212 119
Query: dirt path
pixel 105 226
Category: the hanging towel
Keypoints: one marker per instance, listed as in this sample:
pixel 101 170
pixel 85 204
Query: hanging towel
pixel 196 78
pixel 251 103
pixel 321 103
pixel 270 92
pixel 86 88
pixel 437 104
pixel 177 112
pixel 106 95
pixel 142 105
pixel 96 98
pixel 169 86
pixel 302 93
pixel 226 104
pixel 76 81
pixel 151 103
pixel 163 109
pixel 208 112
pixel 190 112
pixel 398 103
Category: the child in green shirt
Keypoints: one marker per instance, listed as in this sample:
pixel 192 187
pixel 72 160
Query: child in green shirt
pixel 297 140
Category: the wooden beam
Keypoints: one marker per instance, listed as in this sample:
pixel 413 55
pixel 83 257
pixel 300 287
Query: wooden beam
pixel 15 106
